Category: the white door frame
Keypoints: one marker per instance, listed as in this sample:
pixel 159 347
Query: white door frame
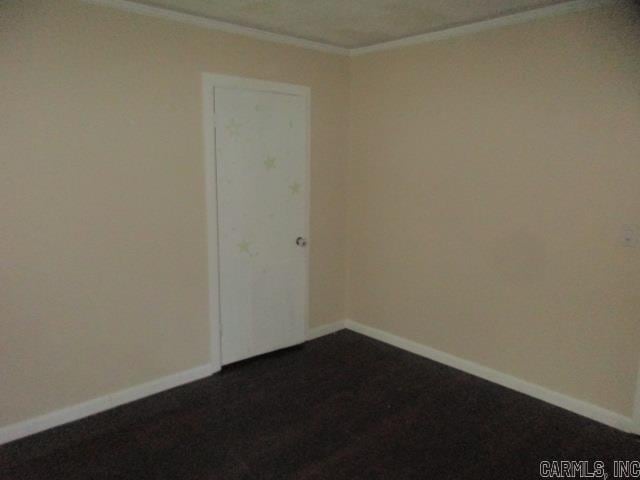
pixel 209 82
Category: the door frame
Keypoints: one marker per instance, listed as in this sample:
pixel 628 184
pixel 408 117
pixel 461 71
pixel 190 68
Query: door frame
pixel 209 82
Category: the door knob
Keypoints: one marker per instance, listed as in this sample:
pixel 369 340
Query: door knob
pixel 301 242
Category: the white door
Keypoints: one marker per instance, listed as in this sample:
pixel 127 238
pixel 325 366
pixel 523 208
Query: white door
pixel 261 170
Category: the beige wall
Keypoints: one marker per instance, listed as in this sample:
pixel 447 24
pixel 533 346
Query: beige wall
pixel 489 179
pixel 103 272
pixel 489 182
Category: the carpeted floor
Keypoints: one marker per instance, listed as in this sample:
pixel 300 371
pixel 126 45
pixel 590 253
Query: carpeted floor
pixel 341 407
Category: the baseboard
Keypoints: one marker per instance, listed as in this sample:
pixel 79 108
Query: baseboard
pixel 100 404
pixel 76 412
pixel 97 405
pixel 574 405
pixel 326 329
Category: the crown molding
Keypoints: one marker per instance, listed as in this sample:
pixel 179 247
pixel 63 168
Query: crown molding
pixel 461 30
pixel 217 25
pixel 471 28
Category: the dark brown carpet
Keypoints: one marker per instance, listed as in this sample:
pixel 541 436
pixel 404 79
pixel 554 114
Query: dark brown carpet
pixel 341 407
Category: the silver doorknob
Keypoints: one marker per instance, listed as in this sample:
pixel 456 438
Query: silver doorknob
pixel 301 242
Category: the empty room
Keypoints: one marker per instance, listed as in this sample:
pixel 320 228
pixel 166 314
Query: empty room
pixel 319 239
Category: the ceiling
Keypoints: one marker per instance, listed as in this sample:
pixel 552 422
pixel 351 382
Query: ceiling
pixel 350 23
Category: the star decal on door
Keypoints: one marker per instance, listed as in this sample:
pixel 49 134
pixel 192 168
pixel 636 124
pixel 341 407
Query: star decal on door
pixel 244 247
pixel 294 188
pixel 270 162
pixel 233 127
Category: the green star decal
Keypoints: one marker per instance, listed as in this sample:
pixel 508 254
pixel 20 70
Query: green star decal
pixel 233 127
pixel 295 188
pixel 270 162
pixel 244 247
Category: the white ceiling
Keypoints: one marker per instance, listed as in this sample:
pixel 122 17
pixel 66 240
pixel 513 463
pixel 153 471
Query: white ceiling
pixel 350 23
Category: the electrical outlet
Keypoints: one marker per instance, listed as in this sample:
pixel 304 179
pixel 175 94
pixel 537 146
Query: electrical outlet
pixel 631 235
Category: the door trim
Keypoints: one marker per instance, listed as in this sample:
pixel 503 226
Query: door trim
pixel 209 82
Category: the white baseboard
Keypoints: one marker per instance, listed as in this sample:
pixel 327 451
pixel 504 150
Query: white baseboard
pixel 100 404
pixel 574 405
pixel 106 402
pixel 323 330
pixel 97 405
